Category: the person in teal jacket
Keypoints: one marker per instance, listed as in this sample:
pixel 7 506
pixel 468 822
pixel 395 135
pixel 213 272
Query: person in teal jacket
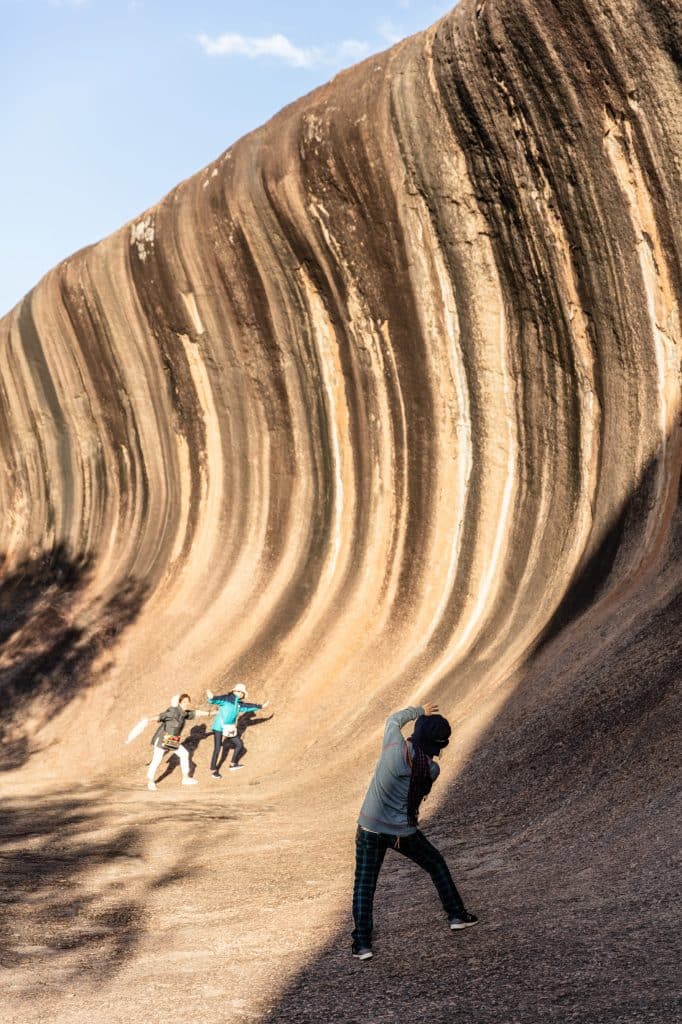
pixel 230 707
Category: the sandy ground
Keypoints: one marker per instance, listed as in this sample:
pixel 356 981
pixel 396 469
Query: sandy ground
pixel 228 902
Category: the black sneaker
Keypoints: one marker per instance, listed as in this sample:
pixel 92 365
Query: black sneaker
pixel 216 775
pixel 362 952
pixel 235 767
pixel 463 920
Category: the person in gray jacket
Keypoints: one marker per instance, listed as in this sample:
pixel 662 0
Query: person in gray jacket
pixel 403 776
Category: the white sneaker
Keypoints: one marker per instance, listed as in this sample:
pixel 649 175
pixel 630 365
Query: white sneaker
pixel 187 781
pixel 235 767
pixel 151 784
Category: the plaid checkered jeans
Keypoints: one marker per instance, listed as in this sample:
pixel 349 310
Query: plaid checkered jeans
pixel 370 850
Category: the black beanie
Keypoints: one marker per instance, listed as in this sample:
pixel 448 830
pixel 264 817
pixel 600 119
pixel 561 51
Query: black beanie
pixel 431 733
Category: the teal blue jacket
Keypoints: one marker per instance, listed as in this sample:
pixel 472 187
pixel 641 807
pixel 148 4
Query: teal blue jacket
pixel 229 708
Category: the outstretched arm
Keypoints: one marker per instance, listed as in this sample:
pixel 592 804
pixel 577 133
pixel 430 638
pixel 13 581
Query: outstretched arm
pixel 217 700
pixel 252 707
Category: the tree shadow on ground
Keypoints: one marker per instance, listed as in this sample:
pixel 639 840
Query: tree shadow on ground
pixel 72 890
pixel 52 639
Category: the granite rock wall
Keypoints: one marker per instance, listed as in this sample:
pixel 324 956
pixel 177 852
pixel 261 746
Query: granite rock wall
pixel 363 407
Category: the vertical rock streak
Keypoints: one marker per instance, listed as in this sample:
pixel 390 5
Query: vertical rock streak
pixel 361 400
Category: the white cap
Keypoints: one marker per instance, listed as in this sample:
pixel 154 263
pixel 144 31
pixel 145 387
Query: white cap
pixel 239 687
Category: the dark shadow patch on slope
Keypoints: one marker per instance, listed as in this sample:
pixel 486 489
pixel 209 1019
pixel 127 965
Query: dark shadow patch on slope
pixel 52 640
pixel 666 18
pixel 74 889
pixel 53 913
pixel 590 580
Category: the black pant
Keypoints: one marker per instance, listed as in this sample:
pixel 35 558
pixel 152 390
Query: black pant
pixel 370 850
pixel 235 741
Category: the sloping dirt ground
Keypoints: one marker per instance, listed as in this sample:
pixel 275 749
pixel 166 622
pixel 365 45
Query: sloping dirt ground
pixel 231 900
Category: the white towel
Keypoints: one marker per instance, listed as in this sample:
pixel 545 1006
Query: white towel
pixel 137 729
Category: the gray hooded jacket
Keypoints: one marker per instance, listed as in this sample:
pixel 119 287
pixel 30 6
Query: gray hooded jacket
pixel 385 806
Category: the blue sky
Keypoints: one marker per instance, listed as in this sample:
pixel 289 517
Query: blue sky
pixel 107 104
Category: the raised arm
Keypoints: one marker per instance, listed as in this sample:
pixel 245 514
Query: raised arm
pixel 398 719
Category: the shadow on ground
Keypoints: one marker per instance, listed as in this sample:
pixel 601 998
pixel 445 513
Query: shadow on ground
pixel 52 640
pixel 66 884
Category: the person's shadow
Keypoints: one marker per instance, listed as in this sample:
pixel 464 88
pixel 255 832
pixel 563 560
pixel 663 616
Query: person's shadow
pixel 245 721
pixel 192 741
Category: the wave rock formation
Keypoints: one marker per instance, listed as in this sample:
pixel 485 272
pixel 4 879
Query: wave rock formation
pixel 381 403
pixel 360 403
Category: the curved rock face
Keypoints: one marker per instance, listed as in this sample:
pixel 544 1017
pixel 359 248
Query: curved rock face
pixel 377 403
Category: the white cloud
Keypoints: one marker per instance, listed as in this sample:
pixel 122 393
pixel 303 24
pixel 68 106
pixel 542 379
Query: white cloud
pixel 351 49
pixel 233 45
pixel 67 3
pixel 391 32
pixel 278 46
